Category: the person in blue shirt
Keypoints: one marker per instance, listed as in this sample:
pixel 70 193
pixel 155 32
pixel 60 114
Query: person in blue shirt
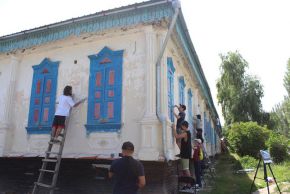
pixel 128 173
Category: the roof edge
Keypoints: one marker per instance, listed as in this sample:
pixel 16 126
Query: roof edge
pixel 127 16
pixel 88 17
pixel 201 79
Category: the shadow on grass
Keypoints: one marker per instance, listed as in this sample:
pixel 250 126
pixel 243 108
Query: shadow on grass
pixel 227 181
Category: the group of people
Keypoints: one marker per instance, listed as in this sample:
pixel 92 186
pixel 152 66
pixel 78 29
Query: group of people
pixel 128 172
pixel 188 150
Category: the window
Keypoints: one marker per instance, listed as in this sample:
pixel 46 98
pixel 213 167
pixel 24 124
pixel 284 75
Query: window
pixel 207 128
pixel 105 91
pixel 170 87
pixel 215 139
pixel 181 90
pixel 42 99
pixel 190 117
pixel 212 134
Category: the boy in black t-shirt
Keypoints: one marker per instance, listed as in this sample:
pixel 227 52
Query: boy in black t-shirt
pixel 127 172
pixel 185 153
pixel 180 118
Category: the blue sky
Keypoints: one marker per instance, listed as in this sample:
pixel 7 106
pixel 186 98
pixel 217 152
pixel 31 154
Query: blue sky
pixel 258 29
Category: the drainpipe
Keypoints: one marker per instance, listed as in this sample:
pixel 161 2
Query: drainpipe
pixel 160 116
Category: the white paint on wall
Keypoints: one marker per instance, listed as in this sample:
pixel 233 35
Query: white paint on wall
pixel 182 68
pixel 144 131
pixel 67 51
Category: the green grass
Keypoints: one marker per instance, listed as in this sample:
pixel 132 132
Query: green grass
pixel 229 182
pixel 280 171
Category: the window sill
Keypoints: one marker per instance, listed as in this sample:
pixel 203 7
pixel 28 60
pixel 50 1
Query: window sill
pixel 106 127
pixel 39 130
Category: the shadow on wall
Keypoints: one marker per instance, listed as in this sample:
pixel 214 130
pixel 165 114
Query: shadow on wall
pixel 78 176
pixel 17 176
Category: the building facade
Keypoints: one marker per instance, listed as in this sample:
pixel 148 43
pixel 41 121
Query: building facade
pixel 111 58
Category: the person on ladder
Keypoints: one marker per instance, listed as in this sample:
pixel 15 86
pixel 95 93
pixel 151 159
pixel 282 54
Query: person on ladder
pixel 65 103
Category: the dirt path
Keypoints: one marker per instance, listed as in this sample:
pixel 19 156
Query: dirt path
pixel 273 189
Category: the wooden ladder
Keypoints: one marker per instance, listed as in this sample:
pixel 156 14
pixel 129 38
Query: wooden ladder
pixel 54 158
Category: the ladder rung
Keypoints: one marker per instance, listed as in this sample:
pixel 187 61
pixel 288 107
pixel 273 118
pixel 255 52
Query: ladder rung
pixel 43 185
pixel 61 135
pixel 55 142
pixel 44 170
pixel 55 153
pixel 49 160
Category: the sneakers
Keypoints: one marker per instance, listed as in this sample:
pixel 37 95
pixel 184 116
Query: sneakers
pixel 184 188
pixel 187 189
pixel 198 186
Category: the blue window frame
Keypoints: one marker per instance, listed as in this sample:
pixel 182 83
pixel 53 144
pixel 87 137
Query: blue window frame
pixel 105 91
pixel 42 99
pixel 212 135
pixel 181 90
pixel 189 108
pixel 208 129
pixel 170 87
pixel 215 137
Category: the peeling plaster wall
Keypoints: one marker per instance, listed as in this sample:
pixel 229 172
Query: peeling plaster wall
pixel 8 69
pixel 182 68
pixel 78 143
pixel 72 53
pixel 4 79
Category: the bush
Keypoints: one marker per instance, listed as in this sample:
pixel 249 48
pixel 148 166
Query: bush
pixel 245 162
pixel 248 162
pixel 277 145
pixel 247 138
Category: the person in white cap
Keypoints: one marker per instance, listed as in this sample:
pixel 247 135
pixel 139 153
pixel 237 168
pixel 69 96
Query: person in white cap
pixel 197 154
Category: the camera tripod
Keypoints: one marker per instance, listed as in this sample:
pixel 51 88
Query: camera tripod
pixel 265 175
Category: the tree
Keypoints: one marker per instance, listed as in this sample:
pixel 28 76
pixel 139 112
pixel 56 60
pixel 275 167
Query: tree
pixel 281 117
pixel 253 92
pixel 287 78
pixel 247 138
pixel 277 145
pixel 281 113
pixel 238 93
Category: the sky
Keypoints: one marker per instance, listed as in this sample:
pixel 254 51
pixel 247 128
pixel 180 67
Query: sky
pixel 258 29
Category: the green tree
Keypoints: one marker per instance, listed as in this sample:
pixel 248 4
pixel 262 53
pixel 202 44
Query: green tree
pixel 280 115
pixel 238 93
pixel 287 78
pixel 247 138
pixel 277 145
pixel 252 104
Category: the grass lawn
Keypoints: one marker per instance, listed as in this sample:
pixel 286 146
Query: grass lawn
pixel 229 182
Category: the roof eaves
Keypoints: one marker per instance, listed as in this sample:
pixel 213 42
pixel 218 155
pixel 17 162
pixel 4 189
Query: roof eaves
pixel 191 47
pixel 120 17
pixel 88 17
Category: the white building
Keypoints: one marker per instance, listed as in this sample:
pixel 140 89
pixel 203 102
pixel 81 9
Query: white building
pixel 111 57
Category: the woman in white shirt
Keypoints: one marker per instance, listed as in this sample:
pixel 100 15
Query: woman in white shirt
pixel 65 103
